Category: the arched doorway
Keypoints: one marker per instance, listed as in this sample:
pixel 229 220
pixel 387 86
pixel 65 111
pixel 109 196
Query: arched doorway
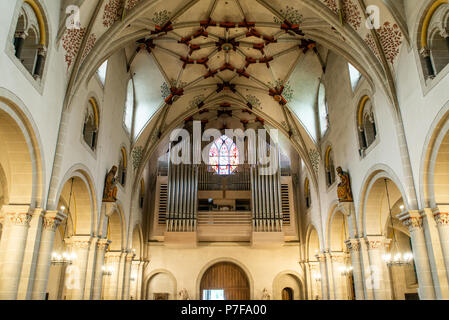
pixel 287 294
pixel 225 281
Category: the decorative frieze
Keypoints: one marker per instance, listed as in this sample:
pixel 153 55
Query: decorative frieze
pixel 375 244
pixel 103 244
pixel 442 219
pixel 353 245
pixel 413 223
pixel 18 218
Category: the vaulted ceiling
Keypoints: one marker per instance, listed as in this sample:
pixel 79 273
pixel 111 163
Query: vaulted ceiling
pixel 230 62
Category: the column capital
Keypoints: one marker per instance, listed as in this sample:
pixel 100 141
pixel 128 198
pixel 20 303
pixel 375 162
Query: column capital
pixel 20 34
pixel 52 220
pixel 376 242
pixel 321 257
pixel 17 215
pixel 113 256
pixel 103 244
pixel 80 242
pixel 42 51
pixel 425 52
pixel 130 256
pixel 441 218
pixel 353 245
pixel 443 33
pixel 412 219
pixel 337 257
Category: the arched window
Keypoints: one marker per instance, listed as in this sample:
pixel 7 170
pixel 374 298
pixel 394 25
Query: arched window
pixel 434 39
pixel 365 123
pixel 323 110
pixel 307 196
pixel 121 172
pixel 354 76
pixel 129 106
pixel 30 38
pixel 330 167
pixel 91 124
pixel 224 156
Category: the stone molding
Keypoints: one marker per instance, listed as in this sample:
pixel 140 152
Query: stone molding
pixel 17 215
pixel 353 245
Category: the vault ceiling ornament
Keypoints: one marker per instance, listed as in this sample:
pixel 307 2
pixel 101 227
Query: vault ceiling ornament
pixel 390 37
pixel 290 14
pixel 137 156
pixel 315 159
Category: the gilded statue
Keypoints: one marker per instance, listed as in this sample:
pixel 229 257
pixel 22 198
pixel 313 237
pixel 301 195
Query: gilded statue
pixel 344 187
pixel 110 188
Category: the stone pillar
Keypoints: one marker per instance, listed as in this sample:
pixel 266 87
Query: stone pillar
pixel 330 275
pixel 90 270
pixel 12 247
pixel 305 265
pixel 140 284
pixel 76 273
pixel 127 275
pixel 111 281
pixel 134 279
pixel 380 281
pixel 354 247
pixel 421 259
pixel 315 284
pixel 338 262
pixel 121 276
pixel 102 245
pixel 19 40
pixel 51 221
pixel 442 220
pixel 425 53
pixel 324 279
pixel 366 270
pixel 39 68
pixel 30 255
pixel 435 254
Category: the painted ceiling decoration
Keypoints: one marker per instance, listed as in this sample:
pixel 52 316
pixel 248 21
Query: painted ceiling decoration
pixel 262 58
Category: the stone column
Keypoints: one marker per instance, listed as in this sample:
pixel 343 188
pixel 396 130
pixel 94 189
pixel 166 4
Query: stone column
pixel 354 247
pixel 30 255
pixel 133 292
pixel 425 53
pixel 324 280
pixel 435 254
pixel 90 269
pixel 19 40
pixel 140 284
pixel 366 270
pixel 111 282
pixel 315 287
pixel 380 281
pixel 51 221
pixel 442 220
pixel 121 276
pixel 338 262
pixel 102 245
pixel 39 68
pixel 420 256
pixel 12 248
pixel 127 275
pixel 76 273
pixel 330 275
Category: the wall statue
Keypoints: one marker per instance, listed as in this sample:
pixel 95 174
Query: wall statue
pixel 110 188
pixel 265 294
pixel 184 294
pixel 344 187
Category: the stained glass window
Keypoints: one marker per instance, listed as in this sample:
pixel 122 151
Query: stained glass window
pixel 224 156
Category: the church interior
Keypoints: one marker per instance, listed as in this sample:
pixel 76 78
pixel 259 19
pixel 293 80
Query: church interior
pixel 224 150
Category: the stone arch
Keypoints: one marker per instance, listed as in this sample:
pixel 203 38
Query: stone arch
pixel 277 285
pixel 159 272
pixel 84 199
pixel 373 206
pixel 137 242
pixel 431 175
pixel 313 243
pixel 219 260
pixel 338 229
pixel 21 158
pixel 116 230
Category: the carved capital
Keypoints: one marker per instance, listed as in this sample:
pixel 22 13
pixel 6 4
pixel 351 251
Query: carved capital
pixel 20 34
pixel 113 257
pixel 425 53
pixel 413 223
pixel 376 242
pixel 17 215
pixel 130 257
pixel 52 220
pixel 42 51
pixel 442 218
pixel 103 244
pixel 353 245
pixel 80 242
pixel 321 257
pixel 444 34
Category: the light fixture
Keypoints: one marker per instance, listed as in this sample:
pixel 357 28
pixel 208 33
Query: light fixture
pixel 107 270
pixel 317 277
pixel 133 277
pixel 346 271
pixel 398 259
pixel 62 258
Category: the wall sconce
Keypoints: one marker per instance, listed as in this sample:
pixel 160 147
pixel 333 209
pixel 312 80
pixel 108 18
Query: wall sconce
pixel 346 271
pixel 62 259
pixel 398 259
pixel 317 277
pixel 107 271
